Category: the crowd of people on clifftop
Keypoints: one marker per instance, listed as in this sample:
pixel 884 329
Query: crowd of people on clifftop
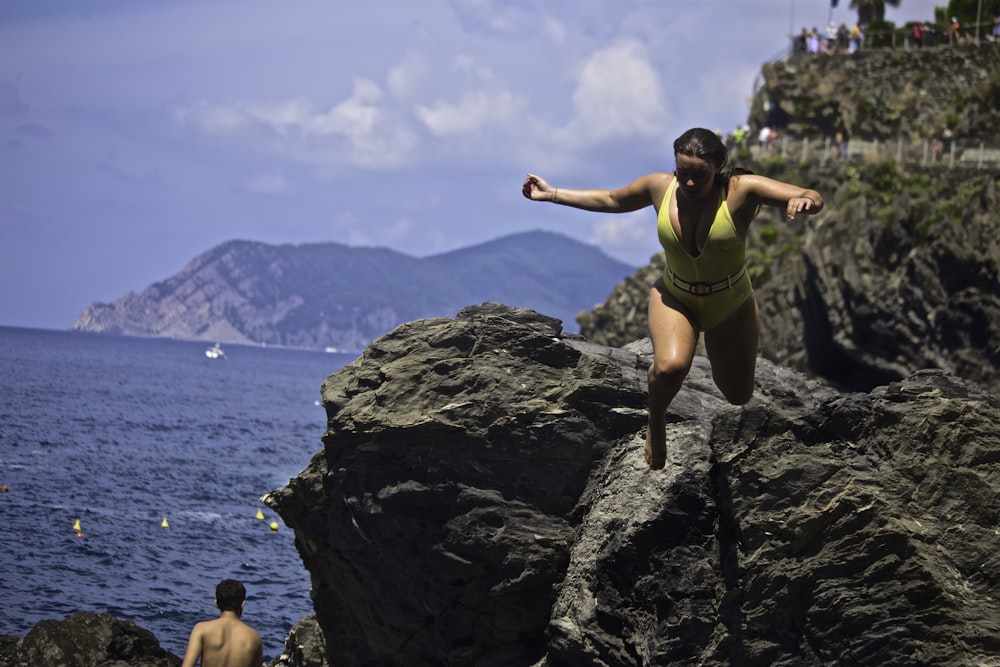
pixel 841 39
pixel 834 40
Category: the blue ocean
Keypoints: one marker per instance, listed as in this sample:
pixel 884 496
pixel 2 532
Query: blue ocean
pixel 161 453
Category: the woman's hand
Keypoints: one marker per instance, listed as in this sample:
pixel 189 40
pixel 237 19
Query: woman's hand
pixel 800 205
pixel 537 189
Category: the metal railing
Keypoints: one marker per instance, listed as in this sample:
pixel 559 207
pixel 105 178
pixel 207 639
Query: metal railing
pixel 924 152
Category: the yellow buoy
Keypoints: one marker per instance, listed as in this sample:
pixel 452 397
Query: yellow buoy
pixel 76 525
pixel 260 515
pixel 274 525
pixel 164 524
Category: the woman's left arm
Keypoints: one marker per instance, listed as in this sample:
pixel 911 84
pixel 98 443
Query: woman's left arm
pixel 755 190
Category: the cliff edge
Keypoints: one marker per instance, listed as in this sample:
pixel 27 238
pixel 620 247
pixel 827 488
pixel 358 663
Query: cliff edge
pixel 482 499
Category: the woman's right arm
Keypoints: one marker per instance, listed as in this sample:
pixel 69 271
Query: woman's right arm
pixel 634 196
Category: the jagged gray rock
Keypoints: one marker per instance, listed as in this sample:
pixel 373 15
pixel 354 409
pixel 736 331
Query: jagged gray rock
pixel 887 284
pixel 305 646
pixel 464 445
pixel 85 639
pixel 482 499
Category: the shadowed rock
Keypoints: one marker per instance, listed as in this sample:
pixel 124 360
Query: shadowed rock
pixel 85 639
pixel 482 499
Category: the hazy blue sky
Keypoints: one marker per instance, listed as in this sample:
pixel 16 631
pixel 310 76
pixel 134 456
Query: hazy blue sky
pixel 135 135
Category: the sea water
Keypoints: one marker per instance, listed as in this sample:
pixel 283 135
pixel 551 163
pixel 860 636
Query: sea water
pixel 162 455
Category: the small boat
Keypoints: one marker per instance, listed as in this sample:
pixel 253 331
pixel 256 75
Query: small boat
pixel 215 352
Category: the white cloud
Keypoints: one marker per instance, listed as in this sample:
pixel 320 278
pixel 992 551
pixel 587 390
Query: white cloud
pixel 630 237
pixel 354 118
pixel 348 229
pixel 397 231
pixel 285 117
pixel 618 108
pixel 474 69
pixel 618 94
pixel 474 111
pixel 486 16
pixel 268 183
pixel 407 77
pixel 554 29
pixel 352 229
pixel 212 118
pixel 359 131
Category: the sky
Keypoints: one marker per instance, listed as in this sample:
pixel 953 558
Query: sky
pixel 137 134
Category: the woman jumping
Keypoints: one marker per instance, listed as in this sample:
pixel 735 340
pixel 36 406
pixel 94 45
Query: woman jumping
pixel 703 214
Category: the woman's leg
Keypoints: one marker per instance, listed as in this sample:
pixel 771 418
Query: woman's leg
pixel 732 349
pixel 674 337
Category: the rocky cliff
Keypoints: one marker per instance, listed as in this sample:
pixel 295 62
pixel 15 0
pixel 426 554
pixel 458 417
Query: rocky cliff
pixel 482 499
pixel 884 94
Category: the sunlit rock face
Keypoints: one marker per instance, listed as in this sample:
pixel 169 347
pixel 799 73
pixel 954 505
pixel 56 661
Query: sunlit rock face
pixel 482 499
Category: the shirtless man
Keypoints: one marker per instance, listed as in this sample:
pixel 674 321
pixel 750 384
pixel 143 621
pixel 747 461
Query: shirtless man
pixel 226 641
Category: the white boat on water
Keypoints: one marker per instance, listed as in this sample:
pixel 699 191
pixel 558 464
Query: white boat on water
pixel 215 352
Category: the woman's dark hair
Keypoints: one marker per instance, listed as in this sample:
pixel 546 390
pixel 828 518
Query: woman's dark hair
pixel 229 595
pixel 706 145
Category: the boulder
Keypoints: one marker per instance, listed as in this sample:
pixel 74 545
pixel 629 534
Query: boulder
pixel 305 646
pixel 85 639
pixel 482 499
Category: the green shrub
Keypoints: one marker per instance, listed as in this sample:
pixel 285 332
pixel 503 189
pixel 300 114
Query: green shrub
pixel 773 164
pixel 768 233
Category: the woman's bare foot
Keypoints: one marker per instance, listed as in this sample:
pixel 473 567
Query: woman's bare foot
pixel 656 447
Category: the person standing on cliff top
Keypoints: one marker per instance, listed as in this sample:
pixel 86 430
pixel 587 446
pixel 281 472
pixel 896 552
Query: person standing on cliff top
pixel 703 215
pixel 226 641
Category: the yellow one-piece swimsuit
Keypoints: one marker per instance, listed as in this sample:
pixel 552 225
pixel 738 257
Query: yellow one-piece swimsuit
pixel 721 261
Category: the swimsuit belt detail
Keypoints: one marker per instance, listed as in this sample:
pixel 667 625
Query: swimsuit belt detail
pixel 704 289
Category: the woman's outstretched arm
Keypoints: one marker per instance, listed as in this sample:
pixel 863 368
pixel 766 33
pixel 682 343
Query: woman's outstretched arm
pixel 634 196
pixel 755 190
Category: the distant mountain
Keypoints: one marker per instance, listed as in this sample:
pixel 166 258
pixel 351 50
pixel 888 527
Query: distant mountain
pixel 331 295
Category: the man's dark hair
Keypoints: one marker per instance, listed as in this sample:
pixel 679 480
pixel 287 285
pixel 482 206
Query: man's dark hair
pixel 229 595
